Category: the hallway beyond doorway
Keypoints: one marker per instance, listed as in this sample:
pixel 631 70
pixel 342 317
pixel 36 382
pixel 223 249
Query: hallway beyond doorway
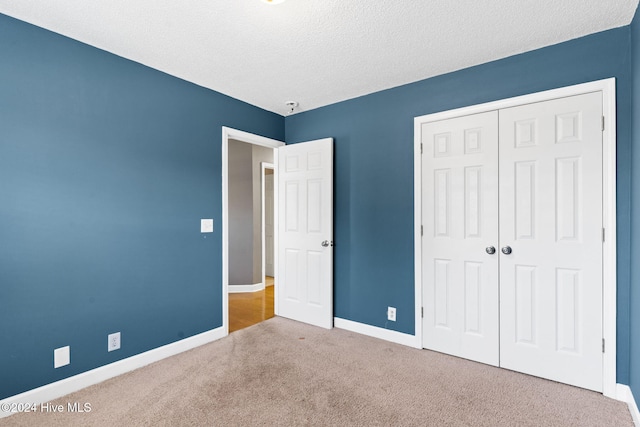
pixel 248 308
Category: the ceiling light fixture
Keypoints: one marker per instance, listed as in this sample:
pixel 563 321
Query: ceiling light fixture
pixel 291 106
pixel 273 1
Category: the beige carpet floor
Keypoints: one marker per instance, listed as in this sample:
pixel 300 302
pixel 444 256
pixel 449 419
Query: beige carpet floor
pixel 283 373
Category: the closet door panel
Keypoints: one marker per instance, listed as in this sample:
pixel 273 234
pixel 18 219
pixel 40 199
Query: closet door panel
pixel 460 217
pixel 551 219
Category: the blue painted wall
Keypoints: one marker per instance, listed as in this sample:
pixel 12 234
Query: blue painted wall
pixel 106 167
pixel 634 299
pixel 373 134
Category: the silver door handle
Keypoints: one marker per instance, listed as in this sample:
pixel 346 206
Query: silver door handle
pixel 506 250
pixel 490 250
pixel 325 243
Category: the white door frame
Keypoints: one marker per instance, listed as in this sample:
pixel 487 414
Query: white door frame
pixel 238 135
pixel 263 167
pixel 608 88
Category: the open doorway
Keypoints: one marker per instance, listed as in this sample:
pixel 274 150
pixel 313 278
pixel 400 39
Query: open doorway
pixel 303 238
pixel 249 273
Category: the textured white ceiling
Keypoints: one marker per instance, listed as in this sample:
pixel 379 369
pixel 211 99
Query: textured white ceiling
pixel 317 52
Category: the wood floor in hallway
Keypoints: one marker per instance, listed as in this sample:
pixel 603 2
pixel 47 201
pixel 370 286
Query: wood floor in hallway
pixel 249 308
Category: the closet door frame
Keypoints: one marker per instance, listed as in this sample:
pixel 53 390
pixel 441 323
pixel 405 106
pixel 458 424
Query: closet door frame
pixel 608 89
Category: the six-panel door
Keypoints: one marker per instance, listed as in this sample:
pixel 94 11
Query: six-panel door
pixel 460 217
pixel 540 166
pixel 551 217
pixel 305 249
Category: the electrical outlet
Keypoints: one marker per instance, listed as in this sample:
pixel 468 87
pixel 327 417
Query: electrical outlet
pixel 113 341
pixel 391 313
pixel 61 357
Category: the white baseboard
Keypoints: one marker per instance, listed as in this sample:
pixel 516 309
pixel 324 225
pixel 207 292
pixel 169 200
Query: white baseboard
pixel 376 332
pixel 235 289
pixel 624 394
pixel 63 387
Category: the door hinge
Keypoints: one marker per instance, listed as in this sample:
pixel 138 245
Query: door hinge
pixel 603 123
pixel 603 234
pixel 422 230
pixel 421 148
pixel 603 345
pixel 421 311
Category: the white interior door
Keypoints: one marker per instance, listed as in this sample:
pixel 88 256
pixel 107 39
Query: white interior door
pixel 551 219
pixel 460 217
pixel 535 306
pixel 268 224
pixel 305 232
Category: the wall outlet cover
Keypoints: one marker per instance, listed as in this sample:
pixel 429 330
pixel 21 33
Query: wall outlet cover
pixel 61 356
pixel 113 341
pixel 391 313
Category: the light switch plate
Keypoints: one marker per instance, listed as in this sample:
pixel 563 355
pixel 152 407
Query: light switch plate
pixel 206 226
pixel 61 357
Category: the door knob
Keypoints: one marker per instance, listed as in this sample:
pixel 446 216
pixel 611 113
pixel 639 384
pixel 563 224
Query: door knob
pixel 506 250
pixel 490 250
pixel 325 243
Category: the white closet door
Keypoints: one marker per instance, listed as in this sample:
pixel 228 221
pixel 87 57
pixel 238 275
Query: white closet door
pixel 551 218
pixel 460 217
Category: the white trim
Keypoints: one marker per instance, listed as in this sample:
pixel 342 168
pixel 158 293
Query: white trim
pixel 624 394
pixel 608 89
pixel 609 250
pixel 227 134
pixel 63 387
pixel 263 167
pixel 376 332
pixel 236 289
pixel 417 228
pixel 276 235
